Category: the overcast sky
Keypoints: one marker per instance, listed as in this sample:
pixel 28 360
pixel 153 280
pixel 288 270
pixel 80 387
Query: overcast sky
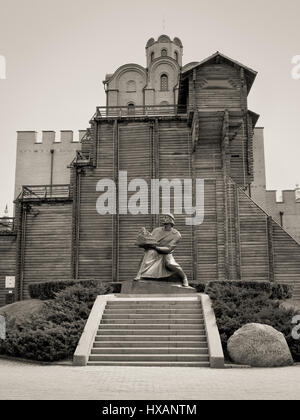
pixel 58 52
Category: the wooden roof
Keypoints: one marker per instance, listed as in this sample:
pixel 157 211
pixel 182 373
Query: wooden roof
pixel 250 74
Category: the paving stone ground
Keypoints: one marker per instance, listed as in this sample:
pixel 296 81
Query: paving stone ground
pixel 30 381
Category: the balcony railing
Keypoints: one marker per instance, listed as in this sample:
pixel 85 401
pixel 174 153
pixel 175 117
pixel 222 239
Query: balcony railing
pixel 139 111
pixel 45 191
pixel 7 224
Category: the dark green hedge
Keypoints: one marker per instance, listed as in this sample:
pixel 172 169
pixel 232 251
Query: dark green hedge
pixel 53 332
pixel 273 290
pixel 236 306
pixel 200 287
pixel 48 289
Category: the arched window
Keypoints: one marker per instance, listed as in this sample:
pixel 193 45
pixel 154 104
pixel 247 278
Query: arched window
pixel 130 108
pixel 131 86
pixel 164 52
pixel 164 82
pixel 152 56
pixel 176 56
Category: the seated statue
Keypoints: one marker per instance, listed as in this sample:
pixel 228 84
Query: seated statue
pixel 158 261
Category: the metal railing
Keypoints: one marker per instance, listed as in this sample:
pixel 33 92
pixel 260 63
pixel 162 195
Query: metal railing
pixel 7 224
pixel 139 111
pixel 45 191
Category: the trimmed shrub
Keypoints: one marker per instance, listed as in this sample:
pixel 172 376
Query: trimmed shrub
pixel 236 306
pixel 274 290
pixel 200 287
pixel 53 332
pixel 48 289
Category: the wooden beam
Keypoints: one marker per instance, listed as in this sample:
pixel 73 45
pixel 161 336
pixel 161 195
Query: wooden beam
pixel 115 217
pixel 76 223
pixel 243 90
pixel 194 229
pixel 226 173
pixel 155 154
pixel 270 248
pixel 194 89
pixel 237 232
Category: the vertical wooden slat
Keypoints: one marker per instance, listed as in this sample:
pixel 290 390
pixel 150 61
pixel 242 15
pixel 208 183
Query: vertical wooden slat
pixel 270 247
pixel 46 243
pixel 135 158
pixel 193 155
pixel 174 162
pixel 115 217
pixel 96 231
pixel 237 232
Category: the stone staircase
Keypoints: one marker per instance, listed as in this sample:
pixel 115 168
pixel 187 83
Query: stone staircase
pixel 151 332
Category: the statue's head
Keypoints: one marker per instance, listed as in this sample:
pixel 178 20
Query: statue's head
pixel 168 218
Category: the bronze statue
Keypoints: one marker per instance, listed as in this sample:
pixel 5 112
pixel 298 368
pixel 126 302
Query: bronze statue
pixel 158 261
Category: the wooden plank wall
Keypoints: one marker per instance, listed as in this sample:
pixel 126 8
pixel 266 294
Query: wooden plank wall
pixel 238 159
pixel 48 237
pixel 217 86
pixel 286 256
pixel 210 233
pixel 175 162
pixel 96 231
pixel 268 252
pixel 7 262
pixel 145 150
pixel 207 244
pixel 253 240
pixel 135 154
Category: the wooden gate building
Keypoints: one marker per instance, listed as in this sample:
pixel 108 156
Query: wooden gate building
pixel 205 133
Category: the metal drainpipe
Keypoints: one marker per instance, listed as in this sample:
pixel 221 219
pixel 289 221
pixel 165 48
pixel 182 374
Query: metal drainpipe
pixel 51 173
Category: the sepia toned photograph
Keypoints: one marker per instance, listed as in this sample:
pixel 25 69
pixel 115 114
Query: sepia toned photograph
pixel 149 203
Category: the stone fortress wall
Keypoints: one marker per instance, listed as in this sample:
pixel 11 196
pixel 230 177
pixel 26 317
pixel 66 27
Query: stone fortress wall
pixel 285 212
pixel 43 158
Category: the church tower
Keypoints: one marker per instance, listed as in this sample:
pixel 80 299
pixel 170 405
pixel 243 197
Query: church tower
pixel 164 61
pixel 132 85
pixel 164 47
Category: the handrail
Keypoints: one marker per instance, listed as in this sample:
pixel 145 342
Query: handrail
pixel 139 110
pixel 46 191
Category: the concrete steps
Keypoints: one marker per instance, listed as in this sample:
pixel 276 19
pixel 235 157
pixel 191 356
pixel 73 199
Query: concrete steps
pixel 151 332
pixel 149 344
pixel 148 350
pixel 150 363
pixel 161 338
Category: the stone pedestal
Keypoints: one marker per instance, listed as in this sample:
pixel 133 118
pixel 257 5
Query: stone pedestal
pixel 155 287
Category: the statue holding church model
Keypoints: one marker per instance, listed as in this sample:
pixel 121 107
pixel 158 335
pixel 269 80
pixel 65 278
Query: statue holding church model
pixel 158 261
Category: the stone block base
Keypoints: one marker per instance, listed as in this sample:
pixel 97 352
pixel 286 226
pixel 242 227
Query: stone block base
pixel 155 287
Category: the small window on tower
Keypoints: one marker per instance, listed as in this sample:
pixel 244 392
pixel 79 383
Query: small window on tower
pixel 164 82
pixel 176 56
pixel 152 56
pixel 164 52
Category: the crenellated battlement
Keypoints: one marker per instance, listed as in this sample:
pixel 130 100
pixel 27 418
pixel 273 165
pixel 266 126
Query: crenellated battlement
pixel 43 158
pixel 284 197
pixel 49 136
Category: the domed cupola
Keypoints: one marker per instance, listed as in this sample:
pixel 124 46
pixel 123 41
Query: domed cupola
pixel 164 47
